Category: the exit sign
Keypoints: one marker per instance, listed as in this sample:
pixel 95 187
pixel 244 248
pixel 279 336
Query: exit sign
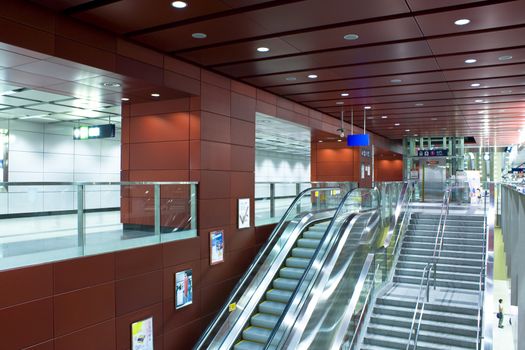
pixel 94 132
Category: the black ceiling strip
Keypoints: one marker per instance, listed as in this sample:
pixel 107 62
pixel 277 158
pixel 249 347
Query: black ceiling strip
pixel 393 42
pixel 344 24
pixel 233 11
pixel 90 5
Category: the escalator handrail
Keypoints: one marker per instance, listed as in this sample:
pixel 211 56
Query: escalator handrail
pixel 262 253
pixel 315 256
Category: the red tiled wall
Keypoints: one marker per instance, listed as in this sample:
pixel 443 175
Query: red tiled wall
pixel 334 161
pixel 388 170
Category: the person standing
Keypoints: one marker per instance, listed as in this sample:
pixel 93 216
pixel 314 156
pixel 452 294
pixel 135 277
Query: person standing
pixel 500 313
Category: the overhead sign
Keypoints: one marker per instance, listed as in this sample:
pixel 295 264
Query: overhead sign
pixel 94 132
pixel 358 140
pixel 432 153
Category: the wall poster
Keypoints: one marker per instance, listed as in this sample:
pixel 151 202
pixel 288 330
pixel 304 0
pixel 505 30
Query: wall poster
pixel 243 209
pixel 142 334
pixel 183 289
pixel 216 247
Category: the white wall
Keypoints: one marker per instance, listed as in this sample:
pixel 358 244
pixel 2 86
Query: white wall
pixel 272 166
pixel 47 152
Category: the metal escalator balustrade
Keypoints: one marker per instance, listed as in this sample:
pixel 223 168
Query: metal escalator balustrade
pixel 313 315
pixel 311 207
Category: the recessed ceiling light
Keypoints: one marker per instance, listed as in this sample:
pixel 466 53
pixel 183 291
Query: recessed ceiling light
pixel 339 103
pixel 482 112
pixel 475 84
pixel 415 134
pixel 179 4
pixel 471 60
pixel 462 22
pixel 320 141
pixel 478 101
pixel 407 130
pixel 155 94
pixel 396 81
pixel 339 140
pixel 505 57
pixel 199 35
pixel 291 78
pixel 506 91
pixel 111 84
pixel 351 37
pixel 312 76
pixel 397 124
pixel 125 99
pixel 263 49
pixel 345 94
pixel 434 119
pixel 384 117
pixel 419 104
pixel 368 107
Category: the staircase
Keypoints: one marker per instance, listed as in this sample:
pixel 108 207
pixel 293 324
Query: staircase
pixel 449 321
pixel 270 308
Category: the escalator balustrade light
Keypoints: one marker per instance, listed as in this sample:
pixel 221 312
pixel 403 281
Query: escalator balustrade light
pixel 316 194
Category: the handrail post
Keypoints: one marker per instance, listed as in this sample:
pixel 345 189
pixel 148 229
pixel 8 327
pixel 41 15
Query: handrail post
pixel 272 200
pixel 81 222
pixel 297 191
pixel 435 274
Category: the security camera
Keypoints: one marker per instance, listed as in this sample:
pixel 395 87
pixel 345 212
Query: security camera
pixel 341 132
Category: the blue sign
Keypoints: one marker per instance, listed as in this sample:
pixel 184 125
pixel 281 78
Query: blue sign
pixel 358 140
pixel 1 163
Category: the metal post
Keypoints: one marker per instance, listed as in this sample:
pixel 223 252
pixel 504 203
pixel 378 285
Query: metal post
pixel 297 191
pixel 272 200
pixel 156 201
pixel 81 222
pixel 435 274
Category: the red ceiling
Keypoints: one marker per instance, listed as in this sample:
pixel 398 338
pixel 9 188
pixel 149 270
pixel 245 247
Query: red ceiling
pixel 415 41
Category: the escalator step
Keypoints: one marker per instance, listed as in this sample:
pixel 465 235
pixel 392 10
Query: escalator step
pixel 297 262
pixel 303 252
pixel 291 272
pixel 272 308
pixel 308 243
pixel 264 320
pixel 256 334
pixel 285 283
pixel 313 234
pixel 248 345
pixel 278 295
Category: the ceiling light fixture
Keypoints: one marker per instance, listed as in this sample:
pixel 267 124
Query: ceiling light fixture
pixel 320 141
pixel 384 117
pixel 291 78
pixel 125 99
pixel 263 49
pixel 419 104
pixel 345 94
pixel 155 94
pixel 407 130
pixel 478 101
pixel 313 76
pixel 471 60
pixel 397 124
pixel 505 57
pixel 339 140
pixel 434 119
pixel 111 84
pixel 351 37
pixel 339 103
pixel 199 35
pixel 179 4
pixel 462 22
pixel 396 81
pixel 368 107
pixel 475 84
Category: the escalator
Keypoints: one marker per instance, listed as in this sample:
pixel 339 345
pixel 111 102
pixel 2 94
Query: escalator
pixel 314 235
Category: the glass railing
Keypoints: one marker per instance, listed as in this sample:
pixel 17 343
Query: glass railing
pixel 49 221
pixel 272 199
pixel 311 205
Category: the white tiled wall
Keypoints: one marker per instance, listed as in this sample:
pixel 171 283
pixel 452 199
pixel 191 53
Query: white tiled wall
pixel 280 167
pixel 47 152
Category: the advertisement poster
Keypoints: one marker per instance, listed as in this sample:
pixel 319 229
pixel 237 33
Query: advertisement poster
pixel 216 247
pixel 142 335
pixel 183 289
pixel 244 213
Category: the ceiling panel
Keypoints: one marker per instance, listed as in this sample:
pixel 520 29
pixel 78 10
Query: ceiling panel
pixel 420 5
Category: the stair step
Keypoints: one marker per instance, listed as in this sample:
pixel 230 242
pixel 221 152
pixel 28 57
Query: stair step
pixel 441 267
pixel 285 283
pixel 291 272
pixel 452 222
pixel 303 252
pixel 444 253
pixel 446 240
pixel 410 304
pixel 444 275
pixel 271 307
pixel 446 246
pixel 256 334
pixel 301 263
pixel 442 260
pixel 313 234
pixel 432 315
pixel 432 233
pixel 448 228
pixel 248 345
pixel 440 282
pixel 264 320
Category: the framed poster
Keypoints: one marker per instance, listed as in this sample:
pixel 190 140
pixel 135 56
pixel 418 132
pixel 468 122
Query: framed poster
pixel 216 247
pixel 183 289
pixel 243 213
pixel 142 334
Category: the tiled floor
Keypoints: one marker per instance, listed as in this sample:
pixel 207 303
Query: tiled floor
pixel 505 338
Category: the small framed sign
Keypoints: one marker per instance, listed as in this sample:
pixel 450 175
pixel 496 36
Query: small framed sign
pixel 243 213
pixel 216 247
pixel 183 289
pixel 142 334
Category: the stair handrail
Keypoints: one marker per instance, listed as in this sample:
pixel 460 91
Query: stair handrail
pixel 432 264
pixel 315 256
pixel 262 253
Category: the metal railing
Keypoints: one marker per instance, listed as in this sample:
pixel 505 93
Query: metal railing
pixel 71 219
pixel 431 265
